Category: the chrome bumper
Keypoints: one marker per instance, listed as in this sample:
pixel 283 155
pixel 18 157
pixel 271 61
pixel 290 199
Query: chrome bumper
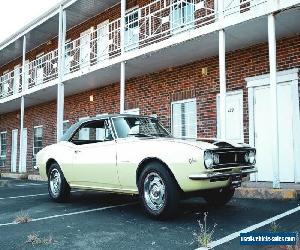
pixel 218 175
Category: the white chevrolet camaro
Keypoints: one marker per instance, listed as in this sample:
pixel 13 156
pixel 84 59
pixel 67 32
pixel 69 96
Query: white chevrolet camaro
pixel 136 155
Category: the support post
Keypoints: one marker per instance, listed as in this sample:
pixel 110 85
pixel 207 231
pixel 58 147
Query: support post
pixel 222 72
pixel 21 156
pixel 274 103
pixel 24 88
pixel 60 85
pixel 122 88
pixel 122 74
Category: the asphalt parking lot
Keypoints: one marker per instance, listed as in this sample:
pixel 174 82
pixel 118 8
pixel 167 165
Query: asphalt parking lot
pixel 93 220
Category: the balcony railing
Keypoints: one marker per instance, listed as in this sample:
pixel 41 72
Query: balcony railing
pixel 41 70
pixel 10 83
pixel 155 22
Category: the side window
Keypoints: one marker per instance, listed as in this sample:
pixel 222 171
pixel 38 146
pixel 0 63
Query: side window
pixel 93 132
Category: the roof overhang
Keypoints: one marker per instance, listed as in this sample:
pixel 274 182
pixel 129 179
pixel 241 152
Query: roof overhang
pixel 45 27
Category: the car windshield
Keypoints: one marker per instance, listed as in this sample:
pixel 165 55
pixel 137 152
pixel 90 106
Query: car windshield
pixel 139 127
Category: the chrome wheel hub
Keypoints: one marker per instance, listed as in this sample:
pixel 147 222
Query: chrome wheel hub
pixel 55 182
pixel 154 191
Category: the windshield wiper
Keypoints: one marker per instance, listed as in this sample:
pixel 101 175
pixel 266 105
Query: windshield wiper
pixel 141 135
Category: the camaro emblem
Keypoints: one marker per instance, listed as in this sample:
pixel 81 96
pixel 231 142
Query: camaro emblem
pixel 192 160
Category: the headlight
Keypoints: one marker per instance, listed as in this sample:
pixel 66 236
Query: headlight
pixel 250 157
pixel 210 158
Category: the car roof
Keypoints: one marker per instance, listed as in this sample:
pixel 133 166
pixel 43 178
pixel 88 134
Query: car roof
pixel 76 125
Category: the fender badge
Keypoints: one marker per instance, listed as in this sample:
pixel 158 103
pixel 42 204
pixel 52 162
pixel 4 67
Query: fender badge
pixel 192 160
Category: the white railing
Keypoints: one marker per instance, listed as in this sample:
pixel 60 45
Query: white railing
pixel 155 22
pixel 10 83
pixel 237 8
pixel 94 47
pixel 41 70
pixel 162 19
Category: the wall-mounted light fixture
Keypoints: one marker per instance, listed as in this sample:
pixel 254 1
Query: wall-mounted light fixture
pixel 91 98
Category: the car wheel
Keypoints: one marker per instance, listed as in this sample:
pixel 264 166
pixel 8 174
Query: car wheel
pixel 158 191
pixel 219 197
pixel 59 189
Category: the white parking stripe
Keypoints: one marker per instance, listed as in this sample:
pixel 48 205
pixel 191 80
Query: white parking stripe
pixel 29 184
pixel 73 213
pixel 252 228
pixel 22 196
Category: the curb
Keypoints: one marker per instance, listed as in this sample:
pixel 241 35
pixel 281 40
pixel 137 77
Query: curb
pixel 266 193
pixel 35 177
pixel 21 176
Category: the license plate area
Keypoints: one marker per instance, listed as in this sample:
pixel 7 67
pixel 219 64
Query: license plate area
pixel 236 181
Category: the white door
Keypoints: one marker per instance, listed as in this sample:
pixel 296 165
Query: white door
pixel 132 29
pixel 85 48
pixel 22 169
pixel 17 73
pixel 26 75
pixel 263 135
pixel 14 150
pixel 103 41
pixel 234 117
pixel 182 15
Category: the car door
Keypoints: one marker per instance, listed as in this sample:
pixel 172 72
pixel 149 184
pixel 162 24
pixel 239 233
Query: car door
pixel 94 161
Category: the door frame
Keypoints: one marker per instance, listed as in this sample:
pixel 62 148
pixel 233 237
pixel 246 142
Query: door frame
pixel 13 169
pixel 230 93
pixel 291 76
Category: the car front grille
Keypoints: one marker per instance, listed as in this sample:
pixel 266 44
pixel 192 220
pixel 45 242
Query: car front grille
pixel 231 158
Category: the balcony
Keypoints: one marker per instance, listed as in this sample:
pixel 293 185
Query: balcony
pixel 160 24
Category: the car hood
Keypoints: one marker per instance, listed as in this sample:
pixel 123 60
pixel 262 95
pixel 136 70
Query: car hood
pixel 202 143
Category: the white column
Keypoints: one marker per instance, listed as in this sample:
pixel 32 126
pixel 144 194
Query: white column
pixel 24 88
pixel 274 109
pixel 60 85
pixel 21 163
pixel 122 74
pixel 222 70
pixel 122 88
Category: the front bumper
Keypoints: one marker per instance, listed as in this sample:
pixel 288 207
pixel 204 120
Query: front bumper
pixel 219 176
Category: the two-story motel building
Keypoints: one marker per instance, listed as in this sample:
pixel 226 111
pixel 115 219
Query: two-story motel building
pixel 222 68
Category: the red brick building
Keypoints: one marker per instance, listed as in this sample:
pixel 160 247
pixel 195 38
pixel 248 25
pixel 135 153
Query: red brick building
pixel 204 68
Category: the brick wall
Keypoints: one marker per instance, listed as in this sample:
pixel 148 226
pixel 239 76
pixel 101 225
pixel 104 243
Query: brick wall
pixel 153 93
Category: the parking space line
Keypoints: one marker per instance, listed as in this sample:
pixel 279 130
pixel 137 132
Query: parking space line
pixel 22 196
pixel 30 184
pixel 73 213
pixel 251 228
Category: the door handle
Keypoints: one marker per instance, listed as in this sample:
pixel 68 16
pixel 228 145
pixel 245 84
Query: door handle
pixel 77 151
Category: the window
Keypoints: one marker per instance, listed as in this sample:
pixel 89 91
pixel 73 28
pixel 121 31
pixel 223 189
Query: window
pixel 182 15
pixel 94 131
pixel 2 148
pixel 139 127
pixel 184 119
pixel 66 126
pixel 132 29
pixel 37 142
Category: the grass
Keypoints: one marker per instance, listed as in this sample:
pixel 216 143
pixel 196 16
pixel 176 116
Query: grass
pixel 22 217
pixel 35 239
pixel 274 227
pixel 205 236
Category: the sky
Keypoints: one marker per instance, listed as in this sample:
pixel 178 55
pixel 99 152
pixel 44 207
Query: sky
pixel 15 14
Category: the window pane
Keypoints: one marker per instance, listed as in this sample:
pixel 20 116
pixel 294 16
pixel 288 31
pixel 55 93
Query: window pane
pixel 184 119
